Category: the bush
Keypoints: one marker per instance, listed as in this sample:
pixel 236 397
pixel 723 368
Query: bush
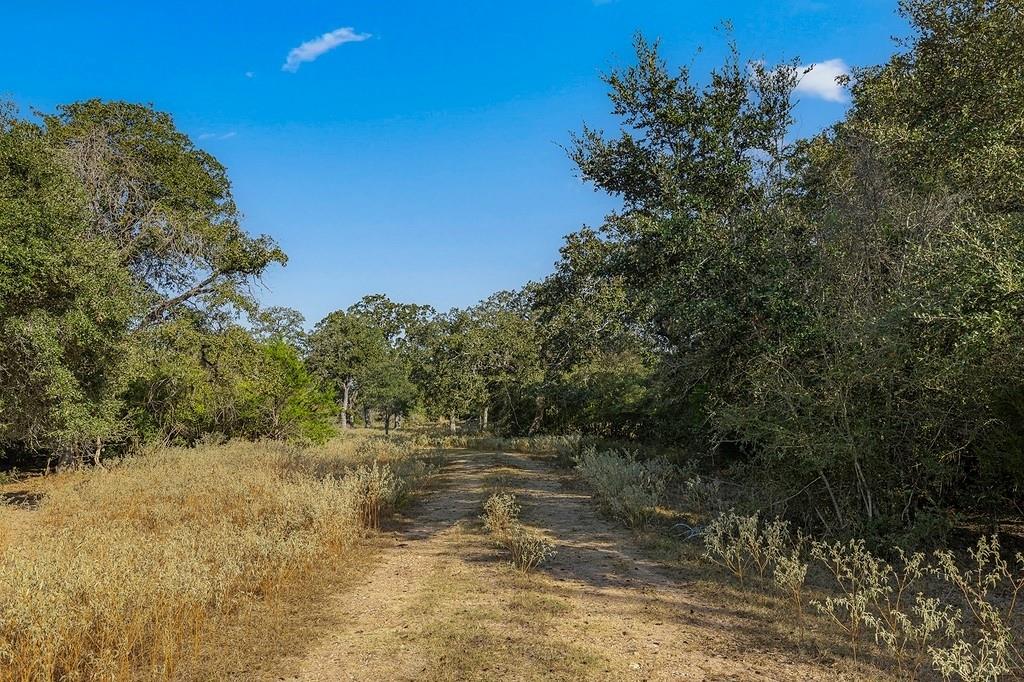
pixel 501 512
pixel 743 544
pixel 527 548
pixel 626 488
pixel 995 649
pixel 375 489
pixel 905 605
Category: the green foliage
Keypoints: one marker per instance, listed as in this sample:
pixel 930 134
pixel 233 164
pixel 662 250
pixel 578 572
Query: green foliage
pixel 228 383
pixel 345 349
pixel 114 229
pixel 65 305
pixel 838 319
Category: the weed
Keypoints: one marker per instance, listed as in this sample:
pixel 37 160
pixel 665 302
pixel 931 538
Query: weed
pixel 527 548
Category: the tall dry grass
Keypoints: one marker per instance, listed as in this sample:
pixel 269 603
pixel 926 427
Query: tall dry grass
pixel 125 567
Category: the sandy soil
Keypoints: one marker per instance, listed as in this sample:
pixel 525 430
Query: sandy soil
pixel 442 603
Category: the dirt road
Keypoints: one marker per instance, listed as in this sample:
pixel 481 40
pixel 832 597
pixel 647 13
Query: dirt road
pixel 442 604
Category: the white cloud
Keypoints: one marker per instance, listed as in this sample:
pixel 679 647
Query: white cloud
pixel 217 136
pixel 311 49
pixel 820 80
pixel 249 74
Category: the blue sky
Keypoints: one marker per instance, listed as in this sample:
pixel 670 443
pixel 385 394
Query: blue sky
pixel 418 156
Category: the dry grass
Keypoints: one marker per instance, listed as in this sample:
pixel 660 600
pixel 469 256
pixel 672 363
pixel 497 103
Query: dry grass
pixel 123 569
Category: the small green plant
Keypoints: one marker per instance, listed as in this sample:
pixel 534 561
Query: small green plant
pixel 724 542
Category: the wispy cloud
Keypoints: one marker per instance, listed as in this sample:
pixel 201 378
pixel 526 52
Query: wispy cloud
pixel 820 80
pixel 311 49
pixel 217 136
pixel 250 74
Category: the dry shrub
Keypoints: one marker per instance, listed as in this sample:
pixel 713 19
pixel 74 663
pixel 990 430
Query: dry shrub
pixel 527 548
pixel 745 544
pixel 501 512
pixel 128 565
pixel 962 620
pixel 991 589
pixel 377 490
pixel 625 487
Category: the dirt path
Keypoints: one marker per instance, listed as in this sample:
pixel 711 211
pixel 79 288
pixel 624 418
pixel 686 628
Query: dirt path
pixel 442 605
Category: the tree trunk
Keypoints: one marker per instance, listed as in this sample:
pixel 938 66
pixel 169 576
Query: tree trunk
pixel 344 405
pixel 97 452
pixel 483 418
pixel 387 423
pixel 69 458
pixel 451 423
pixel 367 418
pixel 538 420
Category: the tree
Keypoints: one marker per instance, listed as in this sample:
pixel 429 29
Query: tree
pixel 703 245
pixel 279 323
pixel 449 368
pixel 164 203
pixel 947 109
pixel 282 400
pixel 65 306
pixel 346 349
pixel 389 389
pixel 114 225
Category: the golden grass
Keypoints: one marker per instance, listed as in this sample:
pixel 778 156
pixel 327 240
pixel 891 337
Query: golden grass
pixel 125 567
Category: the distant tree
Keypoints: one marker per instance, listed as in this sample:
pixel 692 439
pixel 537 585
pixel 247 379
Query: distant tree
pixel 449 370
pixel 389 390
pixel 279 323
pixel 282 400
pixel 396 320
pixel 345 349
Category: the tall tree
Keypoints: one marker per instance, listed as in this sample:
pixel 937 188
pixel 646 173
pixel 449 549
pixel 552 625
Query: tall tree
pixel 165 204
pixel 65 306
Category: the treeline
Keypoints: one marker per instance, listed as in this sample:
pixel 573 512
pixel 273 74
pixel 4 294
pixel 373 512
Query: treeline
pixel 833 322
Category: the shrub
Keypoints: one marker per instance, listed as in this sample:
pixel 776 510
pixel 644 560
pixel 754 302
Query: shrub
pixel 501 512
pixel 743 544
pixel 861 579
pixel 527 548
pixel 626 488
pixel 790 575
pixel 872 595
pixel 994 651
pixel 700 494
pixel 376 490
